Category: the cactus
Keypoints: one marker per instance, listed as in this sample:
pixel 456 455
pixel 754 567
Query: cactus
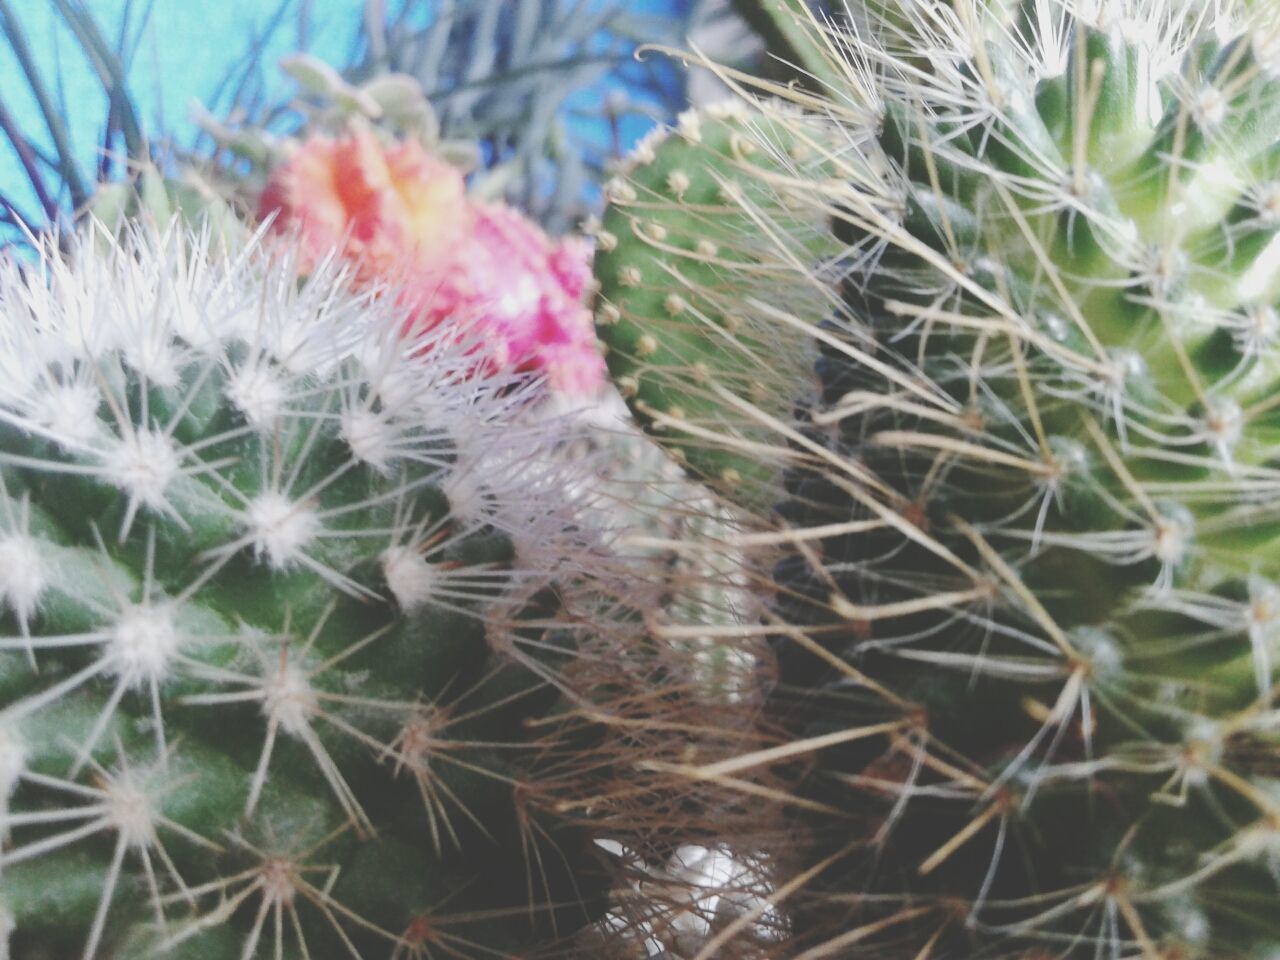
pixel 279 621
pixel 1026 605
pixel 679 251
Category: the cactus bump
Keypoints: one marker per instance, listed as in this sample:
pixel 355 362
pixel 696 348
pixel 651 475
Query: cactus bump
pixel 1026 576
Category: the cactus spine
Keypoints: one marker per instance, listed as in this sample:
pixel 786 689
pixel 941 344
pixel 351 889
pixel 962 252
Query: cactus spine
pixel 277 596
pixel 1028 590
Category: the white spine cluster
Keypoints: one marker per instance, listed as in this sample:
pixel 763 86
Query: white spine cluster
pixel 143 643
pixel 22 576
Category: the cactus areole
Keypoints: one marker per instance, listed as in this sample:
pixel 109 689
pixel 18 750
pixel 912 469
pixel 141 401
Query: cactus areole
pixel 251 697
pixel 1030 610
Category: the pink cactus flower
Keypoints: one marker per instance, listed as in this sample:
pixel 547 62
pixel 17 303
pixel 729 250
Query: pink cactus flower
pixel 400 214
pixel 524 291
pixel 381 206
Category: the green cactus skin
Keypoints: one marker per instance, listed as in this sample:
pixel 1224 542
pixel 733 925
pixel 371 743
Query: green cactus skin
pixel 273 617
pixel 1028 594
pixel 795 53
pixel 676 246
